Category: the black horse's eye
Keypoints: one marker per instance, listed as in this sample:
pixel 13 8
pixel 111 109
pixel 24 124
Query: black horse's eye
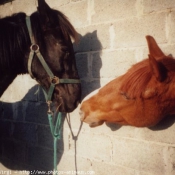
pixel 66 54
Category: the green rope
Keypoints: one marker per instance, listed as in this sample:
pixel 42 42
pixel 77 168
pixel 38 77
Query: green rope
pixel 56 133
pixel 55 155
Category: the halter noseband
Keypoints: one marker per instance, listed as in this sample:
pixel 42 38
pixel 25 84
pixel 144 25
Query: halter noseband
pixel 34 49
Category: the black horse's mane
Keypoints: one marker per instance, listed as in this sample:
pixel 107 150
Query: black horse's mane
pixel 15 41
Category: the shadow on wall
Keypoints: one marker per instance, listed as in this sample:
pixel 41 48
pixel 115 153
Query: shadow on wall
pixel 26 142
pixel 167 122
pixel 88 52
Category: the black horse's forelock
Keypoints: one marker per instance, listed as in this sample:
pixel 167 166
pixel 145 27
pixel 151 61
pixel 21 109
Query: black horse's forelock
pixel 66 26
pixel 59 20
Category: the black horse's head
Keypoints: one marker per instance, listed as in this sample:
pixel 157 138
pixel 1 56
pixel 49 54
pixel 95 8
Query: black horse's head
pixel 52 33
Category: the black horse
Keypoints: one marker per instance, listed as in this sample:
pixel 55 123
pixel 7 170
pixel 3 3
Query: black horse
pixel 52 33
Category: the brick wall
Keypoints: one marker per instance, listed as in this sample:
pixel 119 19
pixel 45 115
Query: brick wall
pixel 112 38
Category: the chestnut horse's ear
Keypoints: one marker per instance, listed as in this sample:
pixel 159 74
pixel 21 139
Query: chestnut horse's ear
pixel 154 49
pixel 157 69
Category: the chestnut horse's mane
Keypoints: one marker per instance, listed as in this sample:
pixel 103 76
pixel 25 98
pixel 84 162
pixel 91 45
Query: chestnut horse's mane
pixel 138 76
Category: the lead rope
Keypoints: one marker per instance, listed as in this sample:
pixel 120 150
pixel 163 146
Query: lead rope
pixel 75 138
pixel 56 133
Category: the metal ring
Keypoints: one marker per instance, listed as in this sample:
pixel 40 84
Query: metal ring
pixel 34 47
pixel 55 80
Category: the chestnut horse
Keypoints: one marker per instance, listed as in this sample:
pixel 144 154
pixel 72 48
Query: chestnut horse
pixel 46 33
pixel 141 97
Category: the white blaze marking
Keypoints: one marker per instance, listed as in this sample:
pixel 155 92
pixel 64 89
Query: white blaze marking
pixel 91 94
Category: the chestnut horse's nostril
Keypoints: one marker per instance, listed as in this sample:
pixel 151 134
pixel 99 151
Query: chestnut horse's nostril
pixel 82 116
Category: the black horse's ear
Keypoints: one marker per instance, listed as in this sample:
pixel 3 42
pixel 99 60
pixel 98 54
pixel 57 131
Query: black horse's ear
pixel 43 6
pixel 44 10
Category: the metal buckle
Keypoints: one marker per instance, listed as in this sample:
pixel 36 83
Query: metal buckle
pixel 55 80
pixel 49 107
pixel 34 47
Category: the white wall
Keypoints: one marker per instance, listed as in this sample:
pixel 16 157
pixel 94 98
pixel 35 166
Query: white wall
pixel 112 38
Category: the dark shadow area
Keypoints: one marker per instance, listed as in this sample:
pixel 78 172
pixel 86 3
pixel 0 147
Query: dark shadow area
pixel 165 123
pixel 26 142
pixel 113 126
pixel 88 58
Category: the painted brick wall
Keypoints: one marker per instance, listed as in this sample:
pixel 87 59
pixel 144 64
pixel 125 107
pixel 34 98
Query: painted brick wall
pixel 112 38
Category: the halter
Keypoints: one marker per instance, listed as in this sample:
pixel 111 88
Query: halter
pixel 34 50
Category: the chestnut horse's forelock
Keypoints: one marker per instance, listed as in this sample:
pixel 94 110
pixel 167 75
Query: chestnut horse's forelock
pixel 138 76
pixel 136 79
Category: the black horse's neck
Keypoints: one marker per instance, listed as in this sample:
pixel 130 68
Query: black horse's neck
pixel 13 48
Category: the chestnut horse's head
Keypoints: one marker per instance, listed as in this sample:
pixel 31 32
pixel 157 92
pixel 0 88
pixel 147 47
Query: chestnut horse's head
pixel 52 36
pixel 141 97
